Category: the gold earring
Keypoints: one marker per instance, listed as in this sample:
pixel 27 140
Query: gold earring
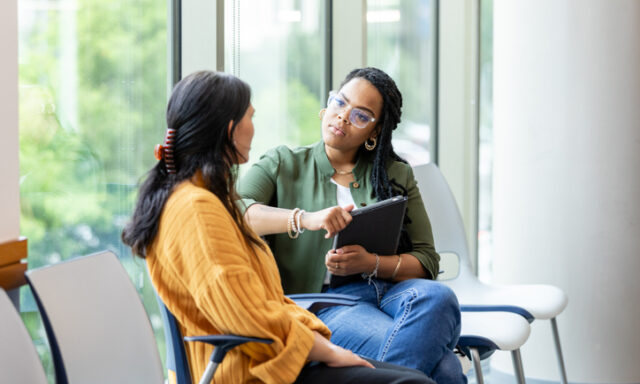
pixel 321 113
pixel 370 147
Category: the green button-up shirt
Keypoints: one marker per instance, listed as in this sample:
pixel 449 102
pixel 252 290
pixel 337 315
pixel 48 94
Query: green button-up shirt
pixel 301 177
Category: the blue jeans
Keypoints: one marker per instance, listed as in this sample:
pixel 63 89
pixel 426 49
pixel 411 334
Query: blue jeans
pixel 413 323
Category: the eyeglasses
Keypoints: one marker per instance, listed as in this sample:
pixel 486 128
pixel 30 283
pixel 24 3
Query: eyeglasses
pixel 358 117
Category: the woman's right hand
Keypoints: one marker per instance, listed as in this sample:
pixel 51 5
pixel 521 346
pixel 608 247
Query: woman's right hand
pixel 332 219
pixel 345 358
pixel 334 356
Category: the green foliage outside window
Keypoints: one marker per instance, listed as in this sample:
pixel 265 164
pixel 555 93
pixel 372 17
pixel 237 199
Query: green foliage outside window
pixel 93 84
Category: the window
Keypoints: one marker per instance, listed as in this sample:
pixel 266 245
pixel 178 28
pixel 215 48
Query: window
pixel 485 138
pixel 278 47
pixel 401 40
pixel 92 96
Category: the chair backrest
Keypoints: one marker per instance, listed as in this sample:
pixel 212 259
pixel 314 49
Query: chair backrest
pixel 97 327
pixel 177 363
pixel 444 215
pixel 19 362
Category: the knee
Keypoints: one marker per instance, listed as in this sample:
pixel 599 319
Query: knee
pixel 447 297
pixel 439 296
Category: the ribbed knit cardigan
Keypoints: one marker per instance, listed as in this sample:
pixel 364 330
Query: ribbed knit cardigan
pixel 214 282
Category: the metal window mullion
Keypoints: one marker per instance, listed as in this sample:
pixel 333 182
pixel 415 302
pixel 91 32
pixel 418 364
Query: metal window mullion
pixel 174 48
pixel 220 35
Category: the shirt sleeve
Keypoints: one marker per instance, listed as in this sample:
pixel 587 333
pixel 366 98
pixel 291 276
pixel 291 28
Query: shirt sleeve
pixel 217 270
pixel 420 229
pixel 258 185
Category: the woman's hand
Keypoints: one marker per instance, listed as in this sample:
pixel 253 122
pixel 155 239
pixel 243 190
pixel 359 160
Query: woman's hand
pixel 340 357
pixel 334 356
pixel 332 219
pixel 349 260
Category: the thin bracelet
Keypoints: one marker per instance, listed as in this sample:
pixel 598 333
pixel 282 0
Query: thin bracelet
pixel 395 271
pixel 298 217
pixel 291 225
pixel 374 273
pixel 292 217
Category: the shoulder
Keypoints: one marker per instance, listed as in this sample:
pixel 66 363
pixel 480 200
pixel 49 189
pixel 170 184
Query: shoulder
pixel 286 159
pixel 189 200
pixel 283 152
pixel 401 172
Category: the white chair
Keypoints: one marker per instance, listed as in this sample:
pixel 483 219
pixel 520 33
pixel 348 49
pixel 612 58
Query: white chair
pixel 485 332
pixel 19 362
pixel 97 327
pixel 529 301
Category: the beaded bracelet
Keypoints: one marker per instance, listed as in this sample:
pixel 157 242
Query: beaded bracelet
pixel 395 271
pixel 291 225
pixel 374 273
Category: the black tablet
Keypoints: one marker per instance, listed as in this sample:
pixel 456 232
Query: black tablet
pixel 375 227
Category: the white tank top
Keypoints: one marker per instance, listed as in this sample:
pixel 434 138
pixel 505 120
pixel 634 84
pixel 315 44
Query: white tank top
pixel 344 198
pixel 344 195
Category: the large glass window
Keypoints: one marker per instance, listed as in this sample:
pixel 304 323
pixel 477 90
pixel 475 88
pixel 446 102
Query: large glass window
pixel 92 95
pixel 401 40
pixel 278 47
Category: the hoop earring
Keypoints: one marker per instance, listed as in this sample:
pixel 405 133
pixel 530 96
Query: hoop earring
pixel 321 113
pixel 370 147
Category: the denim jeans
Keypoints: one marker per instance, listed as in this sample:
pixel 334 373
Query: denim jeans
pixel 413 323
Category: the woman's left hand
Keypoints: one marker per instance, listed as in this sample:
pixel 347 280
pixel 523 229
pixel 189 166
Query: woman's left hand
pixel 349 260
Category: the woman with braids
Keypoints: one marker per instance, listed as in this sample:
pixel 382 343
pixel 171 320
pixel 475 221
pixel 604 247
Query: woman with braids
pixel 404 316
pixel 213 273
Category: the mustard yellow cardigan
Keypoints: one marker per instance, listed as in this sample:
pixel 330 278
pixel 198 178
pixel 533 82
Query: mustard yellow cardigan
pixel 214 282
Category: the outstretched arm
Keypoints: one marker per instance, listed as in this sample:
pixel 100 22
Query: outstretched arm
pixel 267 220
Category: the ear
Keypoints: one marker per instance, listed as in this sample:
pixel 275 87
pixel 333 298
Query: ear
pixel 375 133
pixel 229 130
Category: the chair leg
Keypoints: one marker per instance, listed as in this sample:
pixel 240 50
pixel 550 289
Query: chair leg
pixel 475 356
pixel 207 376
pixel 556 338
pixel 517 366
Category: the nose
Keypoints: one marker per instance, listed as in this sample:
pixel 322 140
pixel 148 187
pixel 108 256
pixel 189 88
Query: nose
pixel 344 116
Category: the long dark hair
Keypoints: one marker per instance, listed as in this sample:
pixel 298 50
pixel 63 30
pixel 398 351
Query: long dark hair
pixel 383 154
pixel 199 110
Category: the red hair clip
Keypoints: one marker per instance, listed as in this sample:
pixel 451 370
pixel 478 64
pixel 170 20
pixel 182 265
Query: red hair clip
pixel 158 152
pixel 165 152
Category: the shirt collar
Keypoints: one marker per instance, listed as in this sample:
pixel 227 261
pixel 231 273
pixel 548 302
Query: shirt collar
pixel 327 170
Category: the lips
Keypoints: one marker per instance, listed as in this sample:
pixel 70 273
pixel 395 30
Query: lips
pixel 336 131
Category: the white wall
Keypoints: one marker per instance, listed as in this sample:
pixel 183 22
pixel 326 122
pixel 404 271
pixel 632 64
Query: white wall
pixel 567 177
pixel 9 169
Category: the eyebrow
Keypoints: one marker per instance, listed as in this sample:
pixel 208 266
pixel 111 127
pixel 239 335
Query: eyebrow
pixel 357 106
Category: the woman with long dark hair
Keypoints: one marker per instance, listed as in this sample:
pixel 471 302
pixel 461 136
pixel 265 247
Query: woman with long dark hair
pixel 210 269
pixel 403 316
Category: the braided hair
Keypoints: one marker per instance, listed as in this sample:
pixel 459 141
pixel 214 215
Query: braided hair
pixel 383 154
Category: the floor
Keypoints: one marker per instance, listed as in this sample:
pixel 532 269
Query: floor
pixel 493 376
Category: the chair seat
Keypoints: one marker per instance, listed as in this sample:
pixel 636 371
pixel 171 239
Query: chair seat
pixel 507 331
pixel 540 300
